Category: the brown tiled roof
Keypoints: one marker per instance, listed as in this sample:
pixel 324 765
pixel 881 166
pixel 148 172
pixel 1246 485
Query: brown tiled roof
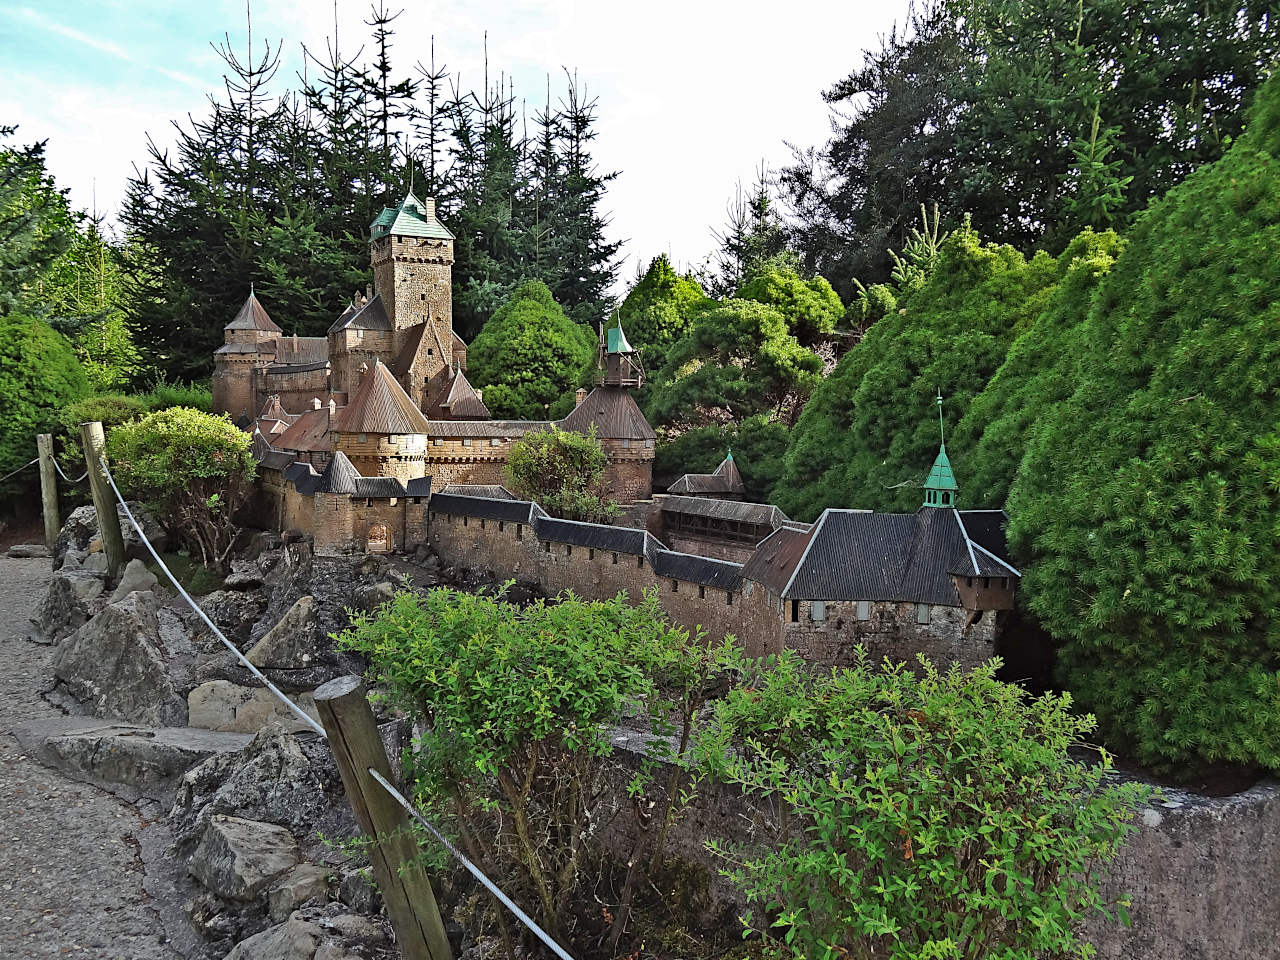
pixel 509 429
pixel 253 316
pixel 308 434
pixel 613 413
pixel 381 406
pixel 370 316
pixel 723 479
pixel 462 401
pixel 413 340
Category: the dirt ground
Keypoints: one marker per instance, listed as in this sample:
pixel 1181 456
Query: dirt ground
pixel 72 882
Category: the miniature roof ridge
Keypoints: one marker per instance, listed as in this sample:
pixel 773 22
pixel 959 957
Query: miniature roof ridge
pixel 411 218
pixel 339 476
pixel 253 316
pixel 381 406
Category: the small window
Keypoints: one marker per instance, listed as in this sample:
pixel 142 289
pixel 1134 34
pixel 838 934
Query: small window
pixel 986 583
pixel 648 444
pixel 639 563
pixel 437 442
pixel 495 442
pixel 430 352
pixel 702 592
pixel 417 500
pixel 747 588
pixel 568 550
pixel 969 581
pixel 482 523
pixel 501 526
pixel 362 437
pixel 546 546
pixel 795 611
pixel 728 599
pixel 1004 581
pixel 864 610
pixel 675 586
pixel 466 441
pixel 464 521
pixel 922 613
pixel 519 531
pixel 591 553
pixel 626 444
pixel 424 296
pixel 426 378
pixel 615 559
pixel 946 499
pixel 817 611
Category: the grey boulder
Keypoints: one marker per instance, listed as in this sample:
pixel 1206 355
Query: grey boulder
pixel 238 859
pixel 27 551
pixel 306 881
pixel 295 939
pixel 290 644
pixel 136 577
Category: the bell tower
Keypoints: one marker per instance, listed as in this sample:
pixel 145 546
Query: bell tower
pixel 411 253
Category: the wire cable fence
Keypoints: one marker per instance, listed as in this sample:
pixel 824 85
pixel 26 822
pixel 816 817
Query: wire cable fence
pixel 14 473
pixel 311 723
pixel 57 466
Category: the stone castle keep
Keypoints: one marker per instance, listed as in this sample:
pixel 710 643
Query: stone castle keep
pixel 371 439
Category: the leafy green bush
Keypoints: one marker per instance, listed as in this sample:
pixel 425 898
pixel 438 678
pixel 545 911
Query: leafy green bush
pixel 1040 371
pixel 563 472
pixel 39 376
pixel 192 468
pixel 929 816
pixel 164 394
pixel 516 706
pixel 1146 507
pixel 811 307
pixel 659 310
pixel 111 410
pixel 870 431
pixel 529 354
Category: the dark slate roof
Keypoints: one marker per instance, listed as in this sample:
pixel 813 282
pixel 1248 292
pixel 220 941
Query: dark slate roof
pixel 370 316
pixel 302 350
pixel 339 476
pixel 720 574
pixel 512 429
pixel 487 508
pixel 765 514
pixel 493 491
pixel 309 433
pixel 276 459
pixel 598 535
pixel 303 476
pixel 418 487
pixel 268 348
pixel 776 556
pixel 723 479
pixel 253 316
pixel 614 414
pixel 904 557
pixel 298 367
pixel 379 487
pixel 381 406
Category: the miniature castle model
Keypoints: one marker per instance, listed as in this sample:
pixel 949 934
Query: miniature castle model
pixel 371 439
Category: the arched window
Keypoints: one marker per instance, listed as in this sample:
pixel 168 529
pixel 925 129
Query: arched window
pixel 378 540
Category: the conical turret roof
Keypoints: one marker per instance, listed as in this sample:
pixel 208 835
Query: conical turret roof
pixel 381 406
pixel 253 316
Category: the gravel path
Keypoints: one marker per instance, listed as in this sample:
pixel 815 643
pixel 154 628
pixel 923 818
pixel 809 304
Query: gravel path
pixel 71 877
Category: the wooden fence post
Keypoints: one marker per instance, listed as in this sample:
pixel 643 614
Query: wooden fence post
pixel 48 490
pixel 397 868
pixel 104 501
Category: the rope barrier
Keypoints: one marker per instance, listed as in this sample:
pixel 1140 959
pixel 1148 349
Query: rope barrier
pixel 307 719
pixel 57 466
pixel 471 867
pixel 19 470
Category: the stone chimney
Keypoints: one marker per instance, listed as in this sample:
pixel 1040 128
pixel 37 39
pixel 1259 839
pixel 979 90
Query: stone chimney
pixel 333 408
pixel 429 207
pixel 580 396
pixel 368 291
pixel 315 403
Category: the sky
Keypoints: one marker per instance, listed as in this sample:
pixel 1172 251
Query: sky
pixel 693 96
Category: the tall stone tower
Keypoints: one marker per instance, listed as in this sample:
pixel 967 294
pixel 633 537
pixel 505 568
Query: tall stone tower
pixel 249 347
pixel 411 252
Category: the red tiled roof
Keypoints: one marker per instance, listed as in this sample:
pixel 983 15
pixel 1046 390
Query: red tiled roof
pixel 308 434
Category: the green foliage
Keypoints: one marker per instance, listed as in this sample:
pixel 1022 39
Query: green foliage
pixel 36 224
pixel 936 815
pixel 870 431
pixel 529 355
pixel 165 393
pixel 1040 372
pixel 516 706
pixel 191 468
pixel 1146 506
pixel 561 470
pixel 1038 119
pixel 811 307
pixel 39 375
pixel 752 238
pixel 740 359
pixel 659 310
pixel 758 444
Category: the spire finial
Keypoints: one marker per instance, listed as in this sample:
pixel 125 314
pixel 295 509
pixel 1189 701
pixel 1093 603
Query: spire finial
pixel 940 485
pixel 942 430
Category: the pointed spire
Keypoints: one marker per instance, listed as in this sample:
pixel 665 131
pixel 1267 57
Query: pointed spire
pixel 940 486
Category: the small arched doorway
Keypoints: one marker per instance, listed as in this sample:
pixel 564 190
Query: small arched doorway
pixel 378 540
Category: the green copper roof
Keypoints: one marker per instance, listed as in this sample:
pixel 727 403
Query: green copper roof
pixel 618 341
pixel 412 218
pixel 940 481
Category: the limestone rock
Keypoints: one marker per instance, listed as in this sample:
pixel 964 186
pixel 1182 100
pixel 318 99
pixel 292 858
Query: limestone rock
pixel 295 939
pixel 93 563
pixel 374 595
pixel 27 551
pixel 235 612
pixel 71 562
pixel 304 882
pixel 277 777
pixel 244 575
pixel 237 859
pixel 136 577
pixel 80 529
pixel 117 665
pixel 223 705
pixel 358 892
pixel 150 760
pixel 65 605
pixel 290 644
